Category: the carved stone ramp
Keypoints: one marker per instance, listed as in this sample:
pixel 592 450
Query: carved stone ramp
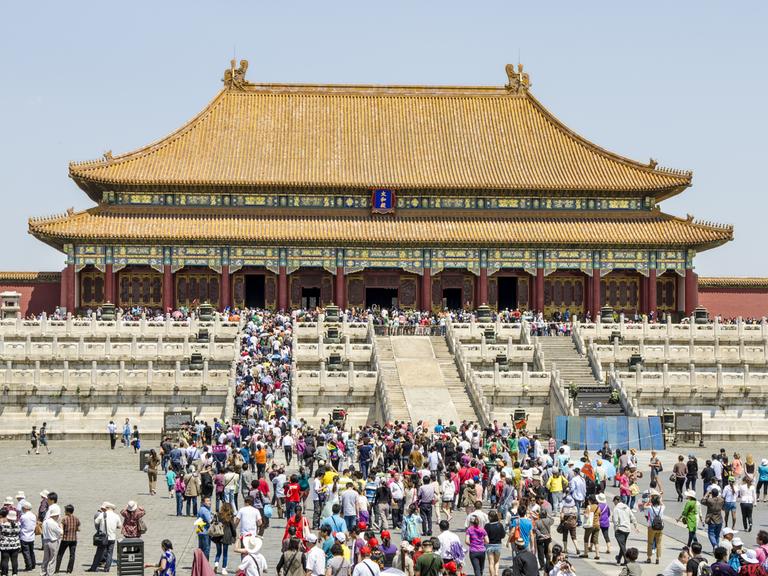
pixel 426 393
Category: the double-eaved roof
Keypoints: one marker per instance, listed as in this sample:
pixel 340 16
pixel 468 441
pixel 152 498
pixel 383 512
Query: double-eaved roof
pixel 404 137
pixel 296 138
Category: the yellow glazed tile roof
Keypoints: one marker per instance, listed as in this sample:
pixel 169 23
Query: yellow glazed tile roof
pixel 377 136
pixel 732 282
pixel 30 277
pixel 131 224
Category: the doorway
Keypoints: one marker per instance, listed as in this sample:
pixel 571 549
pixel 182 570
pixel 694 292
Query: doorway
pixel 452 298
pixel 381 297
pixel 310 298
pixel 254 291
pixel 507 293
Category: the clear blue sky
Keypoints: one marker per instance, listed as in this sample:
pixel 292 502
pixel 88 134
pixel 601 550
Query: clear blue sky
pixel 683 82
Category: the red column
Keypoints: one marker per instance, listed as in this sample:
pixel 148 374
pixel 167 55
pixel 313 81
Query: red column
pixel 168 303
pixel 282 289
pixel 225 297
pixel 596 303
pixel 651 292
pixel 539 290
pixel 691 291
pixel 341 288
pixel 482 287
pixel 109 283
pixel 426 290
pixel 65 286
pixel 587 295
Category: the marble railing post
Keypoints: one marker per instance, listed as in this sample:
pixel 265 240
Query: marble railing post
pixel 351 375
pixel 150 372
pixel 65 373
pixel 322 374
pixel 94 373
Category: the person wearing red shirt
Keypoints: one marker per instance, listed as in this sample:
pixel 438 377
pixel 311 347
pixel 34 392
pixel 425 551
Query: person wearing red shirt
pixel 300 523
pixel 292 495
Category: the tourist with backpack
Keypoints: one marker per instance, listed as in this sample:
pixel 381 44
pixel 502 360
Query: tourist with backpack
pixel 654 514
pixel 698 564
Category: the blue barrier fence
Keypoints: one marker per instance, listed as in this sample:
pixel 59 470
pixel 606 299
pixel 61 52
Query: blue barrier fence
pixel 621 432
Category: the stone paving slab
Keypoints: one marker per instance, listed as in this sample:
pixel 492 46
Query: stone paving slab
pixel 87 473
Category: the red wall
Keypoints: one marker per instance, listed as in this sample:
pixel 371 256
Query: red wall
pixel 35 297
pixel 733 302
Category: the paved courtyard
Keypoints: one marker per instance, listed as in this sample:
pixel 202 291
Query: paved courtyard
pixel 85 473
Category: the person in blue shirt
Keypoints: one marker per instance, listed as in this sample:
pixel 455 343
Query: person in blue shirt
pixel 524 524
pixel 439 426
pixel 523 445
pixel 203 539
pixel 762 479
pixel 335 522
pixel 167 564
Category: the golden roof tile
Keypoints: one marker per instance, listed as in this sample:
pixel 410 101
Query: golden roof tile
pixel 715 282
pixel 30 277
pixel 404 137
pixel 230 225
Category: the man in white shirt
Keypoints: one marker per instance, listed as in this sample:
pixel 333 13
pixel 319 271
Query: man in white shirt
pixel 315 557
pixel 248 518
pixel 27 523
pixel 52 533
pixel 366 567
pixel 108 522
pixel 448 542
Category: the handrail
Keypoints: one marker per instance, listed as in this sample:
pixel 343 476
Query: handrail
pixel 294 384
pixel 594 362
pixel 616 384
pixel 381 386
pixel 464 367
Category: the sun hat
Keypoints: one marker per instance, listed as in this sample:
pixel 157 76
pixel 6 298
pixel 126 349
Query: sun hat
pixel 12 515
pixel 132 505
pixel 600 498
pixel 749 556
pixel 690 494
pixel 26 505
pixel 407 546
pixel 252 544
pixel 54 510
pixel 20 495
pixel 108 505
pixel 729 531
pixel 736 542
pixel 312 538
pixel 44 494
pixel 764 462
pixel 341 537
pixel 9 500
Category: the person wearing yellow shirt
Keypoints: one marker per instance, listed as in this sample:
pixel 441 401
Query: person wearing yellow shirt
pixel 557 485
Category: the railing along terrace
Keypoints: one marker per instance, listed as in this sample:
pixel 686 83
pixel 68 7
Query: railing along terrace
pixel 605 331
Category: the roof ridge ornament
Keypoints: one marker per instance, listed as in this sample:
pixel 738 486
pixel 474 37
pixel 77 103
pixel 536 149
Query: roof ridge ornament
pixel 517 80
pixel 234 78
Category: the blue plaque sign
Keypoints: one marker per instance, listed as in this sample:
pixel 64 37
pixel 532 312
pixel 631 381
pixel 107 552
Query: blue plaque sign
pixel 383 201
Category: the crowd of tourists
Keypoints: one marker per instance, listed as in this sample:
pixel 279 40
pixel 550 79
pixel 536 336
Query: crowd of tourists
pixel 447 498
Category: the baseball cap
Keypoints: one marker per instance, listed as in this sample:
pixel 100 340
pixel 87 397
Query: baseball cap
pixel 385 534
pixel 312 538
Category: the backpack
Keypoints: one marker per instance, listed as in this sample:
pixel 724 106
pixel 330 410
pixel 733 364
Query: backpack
pixel 703 568
pixel 657 523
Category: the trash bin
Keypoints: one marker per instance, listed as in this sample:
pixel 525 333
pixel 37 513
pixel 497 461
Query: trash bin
pixel 130 557
pixel 143 459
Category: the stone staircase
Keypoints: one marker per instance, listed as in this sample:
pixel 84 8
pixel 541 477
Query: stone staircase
pixel 593 397
pixel 388 367
pixel 456 387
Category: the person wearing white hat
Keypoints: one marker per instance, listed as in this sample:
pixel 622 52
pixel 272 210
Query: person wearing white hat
pixel 107 523
pixel 254 563
pixel 27 522
pixel 52 533
pixel 690 515
pixel 315 556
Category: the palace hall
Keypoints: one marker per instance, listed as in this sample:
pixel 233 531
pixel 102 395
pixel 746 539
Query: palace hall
pixel 429 197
